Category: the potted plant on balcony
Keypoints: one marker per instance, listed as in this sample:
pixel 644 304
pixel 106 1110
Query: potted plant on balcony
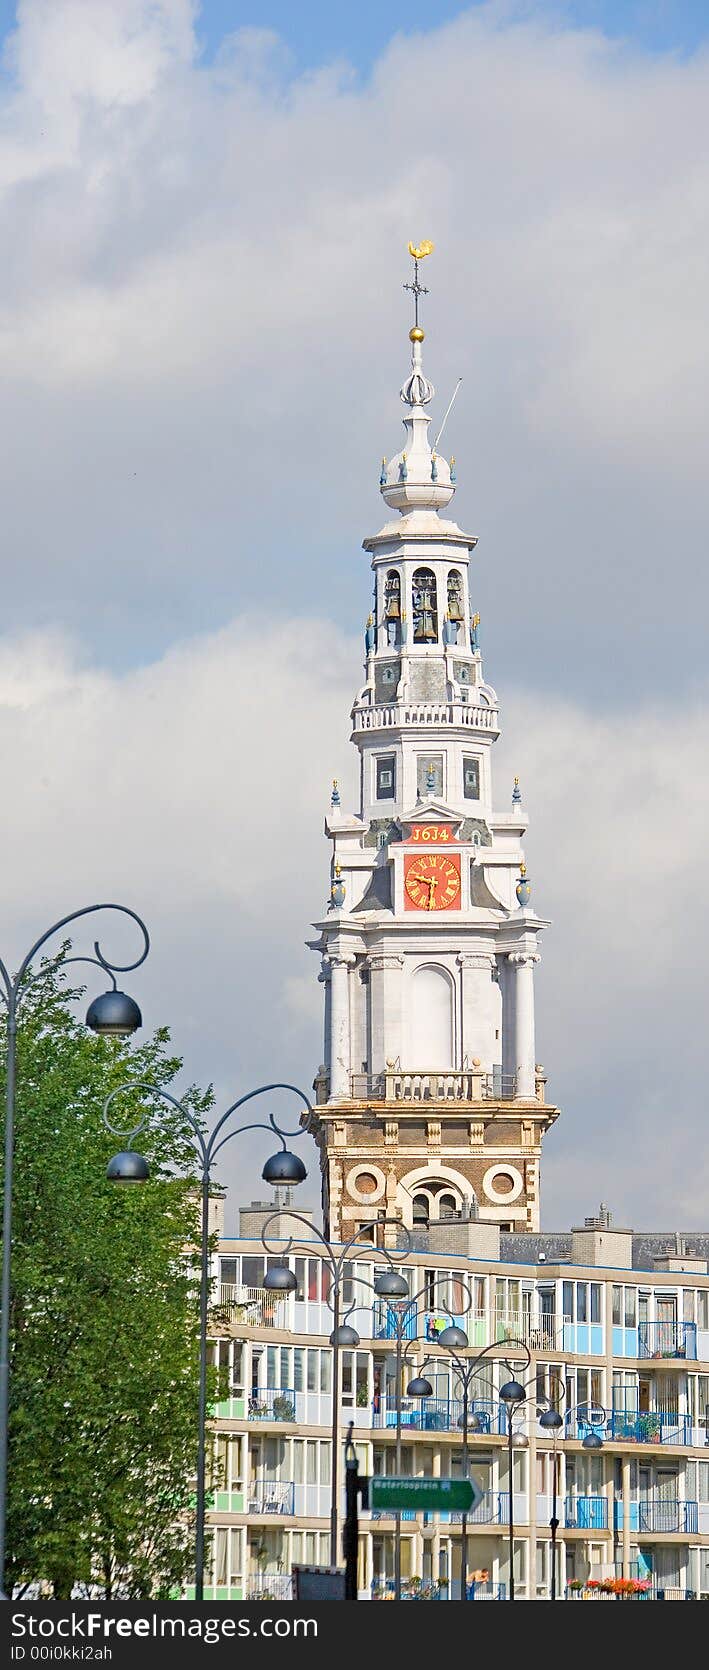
pixel 283 1408
pixel 649 1428
pixel 362 1397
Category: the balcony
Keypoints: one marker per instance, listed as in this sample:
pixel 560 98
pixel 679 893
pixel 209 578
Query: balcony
pixel 266 1404
pixel 252 1305
pixel 657 1517
pixel 586 1513
pixel 383 1589
pixel 667 1339
pixel 269 1586
pixel 631 1426
pixel 540 1332
pixel 427 1084
pixel 441 1414
pixel 420 715
pixel 266 1497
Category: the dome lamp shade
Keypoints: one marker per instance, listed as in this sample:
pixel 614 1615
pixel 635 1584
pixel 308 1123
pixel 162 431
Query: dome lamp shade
pixel 390 1285
pixel 344 1335
pixel 512 1392
pixel 419 1387
pixel 453 1337
pixel 284 1167
pixel 128 1167
pixel 279 1279
pixel 113 1015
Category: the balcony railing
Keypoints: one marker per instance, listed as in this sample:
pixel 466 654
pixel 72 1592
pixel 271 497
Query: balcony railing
pixel 419 715
pixel 428 1084
pixel 586 1513
pixel 483 1327
pixel 667 1339
pixel 253 1305
pixel 273 1405
pixel 442 1414
pixel 266 1586
pixel 272 1498
pixel 383 1589
pixel 631 1426
pixel 661 1518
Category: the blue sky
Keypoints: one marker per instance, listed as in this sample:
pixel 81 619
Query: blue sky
pixel 318 32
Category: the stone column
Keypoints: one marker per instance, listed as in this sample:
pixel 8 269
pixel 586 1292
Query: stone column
pixel 476 1028
pixel 523 968
pixel 340 1064
pixel 385 1011
pixel 324 979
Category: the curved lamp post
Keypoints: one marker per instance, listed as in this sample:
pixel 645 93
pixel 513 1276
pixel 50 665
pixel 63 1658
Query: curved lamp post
pixel 401 1319
pixel 552 1421
pixel 454 1340
pixel 113 1014
pixel 128 1166
pixel 280 1279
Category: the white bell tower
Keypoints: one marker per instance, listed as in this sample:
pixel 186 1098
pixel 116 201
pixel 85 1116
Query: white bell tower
pixel 430 1100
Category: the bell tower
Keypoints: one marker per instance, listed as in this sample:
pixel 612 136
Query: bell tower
pixel 430 1102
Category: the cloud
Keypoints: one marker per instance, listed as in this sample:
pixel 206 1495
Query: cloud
pixel 202 336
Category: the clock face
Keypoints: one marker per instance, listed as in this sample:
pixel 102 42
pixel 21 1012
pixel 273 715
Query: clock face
pixel 432 881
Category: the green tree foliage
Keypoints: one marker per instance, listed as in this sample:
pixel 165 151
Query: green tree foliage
pixel 104 1350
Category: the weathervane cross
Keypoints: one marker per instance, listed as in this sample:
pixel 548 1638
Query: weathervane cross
pixel 418 252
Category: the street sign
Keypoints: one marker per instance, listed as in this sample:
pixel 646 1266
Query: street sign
pixel 433 1495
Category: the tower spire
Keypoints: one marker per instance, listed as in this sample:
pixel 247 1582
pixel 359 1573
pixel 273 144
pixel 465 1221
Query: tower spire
pixel 418 252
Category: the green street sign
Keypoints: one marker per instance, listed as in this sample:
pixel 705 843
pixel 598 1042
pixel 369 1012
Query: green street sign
pixel 433 1495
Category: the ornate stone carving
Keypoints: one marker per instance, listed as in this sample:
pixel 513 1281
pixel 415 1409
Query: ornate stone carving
pixel 476 1133
pixel 433 1133
pixel 391 1133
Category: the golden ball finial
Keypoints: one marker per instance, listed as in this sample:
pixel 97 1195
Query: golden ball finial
pixel 416 334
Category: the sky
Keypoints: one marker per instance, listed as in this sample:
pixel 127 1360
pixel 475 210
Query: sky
pixel 204 217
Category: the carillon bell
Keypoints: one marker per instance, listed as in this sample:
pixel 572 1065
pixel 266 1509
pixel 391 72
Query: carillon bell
pixel 391 608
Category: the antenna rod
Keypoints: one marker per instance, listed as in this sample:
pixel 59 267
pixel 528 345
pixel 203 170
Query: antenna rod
pixel 447 413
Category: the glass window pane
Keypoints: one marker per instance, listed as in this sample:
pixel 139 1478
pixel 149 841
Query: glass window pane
pixel 631 1306
pixel 581 1301
pixel 595 1301
pixel 617 1306
pixel 568 1299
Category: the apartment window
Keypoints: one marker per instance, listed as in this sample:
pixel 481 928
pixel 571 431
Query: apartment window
pixel 595 1301
pixel 471 779
pixel 702 1308
pixel 617 1306
pixel 581 1301
pixel 568 1299
pixel 386 777
pixel 631 1307
pixel 687 1304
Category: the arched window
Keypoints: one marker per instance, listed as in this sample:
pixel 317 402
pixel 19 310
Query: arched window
pixel 455 595
pixel 420 1214
pixel 425 606
pixel 447 1207
pixel 392 606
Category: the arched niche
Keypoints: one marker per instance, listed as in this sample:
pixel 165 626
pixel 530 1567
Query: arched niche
pixel 430 1019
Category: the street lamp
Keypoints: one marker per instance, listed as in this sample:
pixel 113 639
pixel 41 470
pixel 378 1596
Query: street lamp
pixel 128 1166
pixel 454 1340
pixel 513 1394
pixel 389 1284
pixel 113 1014
pixel 552 1421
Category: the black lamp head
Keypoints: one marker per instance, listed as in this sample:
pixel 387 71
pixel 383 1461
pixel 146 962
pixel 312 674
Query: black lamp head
pixel 113 1015
pixel 279 1279
pixel 344 1335
pixel 284 1167
pixel 128 1167
pixel 419 1387
pixel 453 1337
pixel 551 1420
pixel 592 1441
pixel 512 1392
pixel 390 1285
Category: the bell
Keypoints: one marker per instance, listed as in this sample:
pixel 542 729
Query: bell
pixel 391 608
pixel 454 610
pixel 428 629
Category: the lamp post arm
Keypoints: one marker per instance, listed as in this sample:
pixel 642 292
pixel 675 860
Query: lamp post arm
pixel 165 1096
pixel 104 962
pixel 263 1090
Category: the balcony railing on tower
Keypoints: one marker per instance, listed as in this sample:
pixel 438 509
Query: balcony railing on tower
pixel 430 1084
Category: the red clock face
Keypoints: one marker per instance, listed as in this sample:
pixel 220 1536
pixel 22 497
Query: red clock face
pixel 432 881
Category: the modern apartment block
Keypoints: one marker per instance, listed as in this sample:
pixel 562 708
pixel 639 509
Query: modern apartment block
pixel 617 1327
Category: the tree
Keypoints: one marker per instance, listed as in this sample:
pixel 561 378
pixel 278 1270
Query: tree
pixel 104 1328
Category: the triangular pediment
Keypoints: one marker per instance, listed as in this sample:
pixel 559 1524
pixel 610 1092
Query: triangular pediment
pixel 430 811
